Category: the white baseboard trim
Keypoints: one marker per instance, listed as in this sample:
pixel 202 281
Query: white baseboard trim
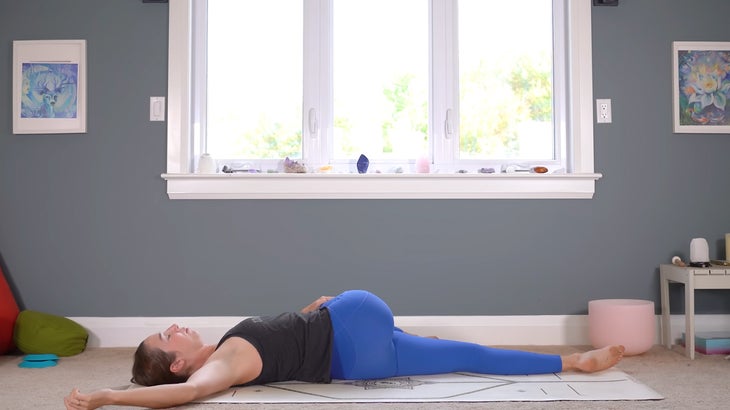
pixel 486 330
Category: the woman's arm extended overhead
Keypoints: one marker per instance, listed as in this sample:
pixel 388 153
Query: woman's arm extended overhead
pixel 162 396
pixel 215 376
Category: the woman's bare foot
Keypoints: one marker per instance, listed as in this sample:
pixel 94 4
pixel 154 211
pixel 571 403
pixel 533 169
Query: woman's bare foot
pixel 594 360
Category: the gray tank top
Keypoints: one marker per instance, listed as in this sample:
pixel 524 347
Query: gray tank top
pixel 292 346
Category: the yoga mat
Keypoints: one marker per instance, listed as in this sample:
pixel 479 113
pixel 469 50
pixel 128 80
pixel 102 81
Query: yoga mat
pixel 611 384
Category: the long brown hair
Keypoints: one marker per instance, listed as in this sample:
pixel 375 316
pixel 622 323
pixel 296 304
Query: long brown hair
pixel 152 367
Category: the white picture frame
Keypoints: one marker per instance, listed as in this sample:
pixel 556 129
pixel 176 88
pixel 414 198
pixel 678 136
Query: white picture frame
pixel 701 87
pixel 49 86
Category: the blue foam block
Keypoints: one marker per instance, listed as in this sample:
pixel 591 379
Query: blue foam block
pixel 711 342
pixel 39 361
pixel 38 364
pixel 40 357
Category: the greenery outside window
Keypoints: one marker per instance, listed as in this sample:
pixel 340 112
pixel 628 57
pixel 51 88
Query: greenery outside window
pixel 371 94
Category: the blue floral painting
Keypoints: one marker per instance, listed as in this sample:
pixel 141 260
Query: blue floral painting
pixel 704 87
pixel 49 90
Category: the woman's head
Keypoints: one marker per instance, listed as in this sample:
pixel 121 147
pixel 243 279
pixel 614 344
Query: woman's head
pixel 152 367
pixel 166 357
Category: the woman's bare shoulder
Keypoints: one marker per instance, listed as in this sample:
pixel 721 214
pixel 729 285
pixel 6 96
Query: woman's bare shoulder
pixel 240 357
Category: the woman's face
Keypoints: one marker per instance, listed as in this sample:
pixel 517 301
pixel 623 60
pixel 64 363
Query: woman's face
pixel 176 339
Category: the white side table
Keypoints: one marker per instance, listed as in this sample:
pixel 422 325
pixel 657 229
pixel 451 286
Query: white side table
pixel 714 277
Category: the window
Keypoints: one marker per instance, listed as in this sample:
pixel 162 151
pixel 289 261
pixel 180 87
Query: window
pixel 254 87
pixel 392 79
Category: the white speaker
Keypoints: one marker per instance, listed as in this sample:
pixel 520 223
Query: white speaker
pixel 699 251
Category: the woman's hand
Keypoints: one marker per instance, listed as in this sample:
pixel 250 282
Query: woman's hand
pixel 316 304
pixel 78 401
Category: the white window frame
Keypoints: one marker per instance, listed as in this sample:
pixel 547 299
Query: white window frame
pixel 577 183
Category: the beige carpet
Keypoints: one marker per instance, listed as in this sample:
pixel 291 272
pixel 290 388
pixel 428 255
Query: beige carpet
pixel 703 383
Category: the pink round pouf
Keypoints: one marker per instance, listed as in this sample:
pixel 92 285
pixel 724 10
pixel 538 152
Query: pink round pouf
pixel 628 322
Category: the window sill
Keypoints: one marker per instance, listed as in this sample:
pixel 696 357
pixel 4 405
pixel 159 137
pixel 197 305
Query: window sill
pixel 380 186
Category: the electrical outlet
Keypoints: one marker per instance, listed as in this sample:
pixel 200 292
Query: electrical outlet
pixel 603 111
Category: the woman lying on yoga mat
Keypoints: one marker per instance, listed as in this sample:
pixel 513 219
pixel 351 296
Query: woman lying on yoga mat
pixel 350 336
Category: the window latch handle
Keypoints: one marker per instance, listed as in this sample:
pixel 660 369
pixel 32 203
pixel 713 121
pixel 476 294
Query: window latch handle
pixel 448 127
pixel 313 123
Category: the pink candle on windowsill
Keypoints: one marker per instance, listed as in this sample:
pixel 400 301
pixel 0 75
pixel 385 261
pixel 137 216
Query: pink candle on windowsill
pixel 423 165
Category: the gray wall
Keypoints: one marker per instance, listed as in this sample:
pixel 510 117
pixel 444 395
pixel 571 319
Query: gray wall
pixel 86 228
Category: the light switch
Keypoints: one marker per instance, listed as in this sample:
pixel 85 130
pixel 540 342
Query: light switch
pixel 157 108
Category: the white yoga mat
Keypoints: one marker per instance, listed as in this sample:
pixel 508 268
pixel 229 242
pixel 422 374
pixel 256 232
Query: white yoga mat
pixel 454 387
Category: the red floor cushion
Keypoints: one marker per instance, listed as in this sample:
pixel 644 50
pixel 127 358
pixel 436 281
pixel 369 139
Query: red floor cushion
pixel 8 314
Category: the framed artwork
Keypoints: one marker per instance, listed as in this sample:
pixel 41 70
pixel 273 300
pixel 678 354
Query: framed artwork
pixel 701 82
pixel 49 87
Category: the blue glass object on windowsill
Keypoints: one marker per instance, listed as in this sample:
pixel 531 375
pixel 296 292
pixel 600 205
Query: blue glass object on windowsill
pixel 362 164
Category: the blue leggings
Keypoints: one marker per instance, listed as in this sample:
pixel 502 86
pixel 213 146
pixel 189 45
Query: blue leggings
pixel 366 345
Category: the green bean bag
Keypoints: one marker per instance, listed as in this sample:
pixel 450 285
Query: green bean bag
pixel 37 333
